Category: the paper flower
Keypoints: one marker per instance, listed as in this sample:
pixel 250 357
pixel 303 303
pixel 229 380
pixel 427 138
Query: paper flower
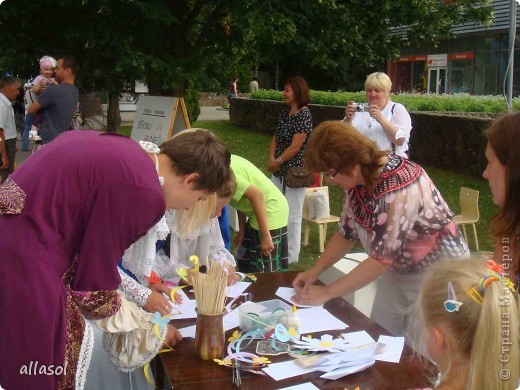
pixel 260 361
pixel 293 332
pixel 195 260
pixel 183 273
pixel 154 278
pixel 161 322
pixel 509 284
pixel 235 336
pixel 225 362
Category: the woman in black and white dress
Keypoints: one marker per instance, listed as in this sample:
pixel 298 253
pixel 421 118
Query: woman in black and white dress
pixel 291 134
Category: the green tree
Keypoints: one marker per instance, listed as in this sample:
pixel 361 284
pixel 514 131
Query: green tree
pixel 177 45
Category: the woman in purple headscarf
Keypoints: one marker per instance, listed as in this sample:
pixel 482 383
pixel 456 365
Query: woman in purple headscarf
pixel 66 217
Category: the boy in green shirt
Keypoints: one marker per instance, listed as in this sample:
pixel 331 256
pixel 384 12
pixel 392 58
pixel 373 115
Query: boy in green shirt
pixel 262 239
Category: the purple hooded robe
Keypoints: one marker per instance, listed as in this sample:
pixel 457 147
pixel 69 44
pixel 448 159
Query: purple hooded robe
pixel 66 217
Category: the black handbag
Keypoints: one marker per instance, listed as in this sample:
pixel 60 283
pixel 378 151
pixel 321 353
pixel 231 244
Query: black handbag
pixel 298 177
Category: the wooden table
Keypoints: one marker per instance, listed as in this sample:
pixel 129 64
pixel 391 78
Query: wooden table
pixel 184 370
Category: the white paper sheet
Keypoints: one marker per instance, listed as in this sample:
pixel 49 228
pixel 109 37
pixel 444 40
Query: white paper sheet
pixel 318 319
pixel 340 373
pixel 357 339
pixel 236 289
pixel 283 370
pixel 393 349
pixel 187 307
pixel 188 331
pixel 287 293
pixel 357 256
pixel 303 386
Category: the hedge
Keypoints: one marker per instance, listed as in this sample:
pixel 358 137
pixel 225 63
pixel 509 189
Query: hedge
pixel 445 141
pixel 412 102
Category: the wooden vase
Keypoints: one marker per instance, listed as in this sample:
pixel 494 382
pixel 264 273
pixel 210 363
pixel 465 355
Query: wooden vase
pixel 209 336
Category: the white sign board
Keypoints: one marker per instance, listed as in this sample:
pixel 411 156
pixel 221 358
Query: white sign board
pixel 436 60
pixel 157 118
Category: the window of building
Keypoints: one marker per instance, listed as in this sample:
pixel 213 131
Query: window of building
pixel 461 76
pixel 403 76
pixel 488 43
pixel 462 45
pixel 486 73
pixel 419 76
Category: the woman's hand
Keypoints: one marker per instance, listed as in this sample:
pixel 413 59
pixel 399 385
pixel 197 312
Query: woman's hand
pixel 173 337
pixel 375 113
pixel 232 275
pixel 274 165
pixel 266 245
pixel 313 295
pixel 304 280
pixel 350 110
pixel 157 302
pixel 161 288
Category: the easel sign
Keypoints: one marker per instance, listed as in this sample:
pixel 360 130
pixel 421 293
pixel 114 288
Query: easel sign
pixel 158 118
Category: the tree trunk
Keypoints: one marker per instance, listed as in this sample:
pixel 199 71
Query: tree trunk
pixel 113 114
pixel 90 104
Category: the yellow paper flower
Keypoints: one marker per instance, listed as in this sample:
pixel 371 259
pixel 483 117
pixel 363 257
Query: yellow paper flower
pixel 509 284
pixel 325 344
pixel 292 332
pixel 260 361
pixel 235 336
pixel 183 273
pixel 195 260
pixel 223 362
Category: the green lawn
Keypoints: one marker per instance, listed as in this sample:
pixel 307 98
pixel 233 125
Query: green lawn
pixel 255 147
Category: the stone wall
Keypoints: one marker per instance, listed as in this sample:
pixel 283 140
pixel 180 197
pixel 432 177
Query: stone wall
pixel 453 141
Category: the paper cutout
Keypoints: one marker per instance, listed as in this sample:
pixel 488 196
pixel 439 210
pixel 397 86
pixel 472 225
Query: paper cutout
pixel 393 349
pixel 287 293
pixel 325 343
pixel 195 260
pixel 303 386
pixel 153 278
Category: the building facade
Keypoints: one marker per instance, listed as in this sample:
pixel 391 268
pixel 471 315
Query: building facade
pixel 474 61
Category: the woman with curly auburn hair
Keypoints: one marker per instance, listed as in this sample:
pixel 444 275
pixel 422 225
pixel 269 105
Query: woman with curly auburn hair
pixel 393 208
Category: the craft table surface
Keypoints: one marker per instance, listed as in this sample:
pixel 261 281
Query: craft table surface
pixel 184 370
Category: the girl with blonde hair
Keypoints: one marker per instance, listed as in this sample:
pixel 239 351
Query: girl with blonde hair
pixel 470 325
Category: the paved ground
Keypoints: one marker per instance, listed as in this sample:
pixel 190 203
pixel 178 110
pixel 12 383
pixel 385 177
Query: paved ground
pixel 213 114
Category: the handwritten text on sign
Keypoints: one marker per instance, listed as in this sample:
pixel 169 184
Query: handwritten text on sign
pixel 153 119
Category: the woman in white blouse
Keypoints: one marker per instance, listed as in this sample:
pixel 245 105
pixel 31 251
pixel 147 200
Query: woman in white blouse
pixel 386 123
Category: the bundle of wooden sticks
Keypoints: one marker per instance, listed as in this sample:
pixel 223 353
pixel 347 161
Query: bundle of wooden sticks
pixel 209 288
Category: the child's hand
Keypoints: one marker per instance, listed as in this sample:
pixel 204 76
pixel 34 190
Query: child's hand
pixel 232 276
pixel 173 337
pixel 238 238
pixel 43 85
pixel 266 245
